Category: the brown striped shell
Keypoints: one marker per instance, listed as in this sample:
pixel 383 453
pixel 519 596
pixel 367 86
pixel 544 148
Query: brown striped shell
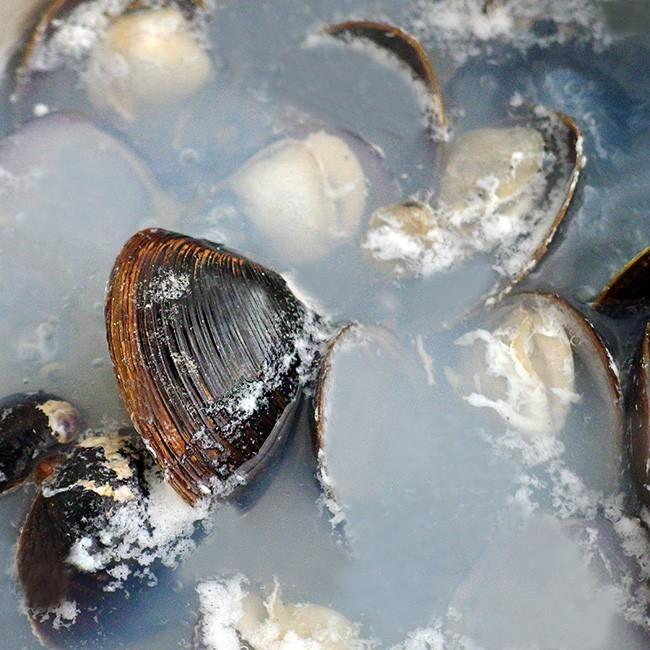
pixel 204 344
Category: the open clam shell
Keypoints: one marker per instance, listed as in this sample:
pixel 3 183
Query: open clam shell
pixel 391 459
pixel 135 53
pixel 205 348
pixel 32 427
pixel 627 290
pixel 547 386
pixel 408 50
pixel 364 356
pixel 503 193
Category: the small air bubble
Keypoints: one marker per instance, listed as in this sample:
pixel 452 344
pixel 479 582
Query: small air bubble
pixel 189 157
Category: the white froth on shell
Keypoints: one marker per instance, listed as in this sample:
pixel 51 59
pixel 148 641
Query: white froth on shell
pixel 157 528
pixel 464 29
pixel 486 203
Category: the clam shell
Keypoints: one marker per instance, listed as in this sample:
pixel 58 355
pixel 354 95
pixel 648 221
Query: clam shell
pixel 408 50
pixel 76 501
pixel 585 410
pixel 51 17
pixel 205 348
pixel 564 139
pixel 489 226
pixel 627 290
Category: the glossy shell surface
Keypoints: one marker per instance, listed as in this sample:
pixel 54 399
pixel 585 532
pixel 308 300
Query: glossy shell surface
pixel 204 344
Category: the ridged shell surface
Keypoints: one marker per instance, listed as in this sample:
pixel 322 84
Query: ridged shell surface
pixel 204 344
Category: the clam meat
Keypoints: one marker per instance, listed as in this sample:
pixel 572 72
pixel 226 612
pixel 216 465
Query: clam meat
pixel 503 191
pixel 305 196
pixel 234 617
pixel 146 59
pixel 538 366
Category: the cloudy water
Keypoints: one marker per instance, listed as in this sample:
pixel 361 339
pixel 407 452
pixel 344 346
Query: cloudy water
pixel 457 475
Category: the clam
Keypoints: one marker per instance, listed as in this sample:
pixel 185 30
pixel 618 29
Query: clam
pixel 626 291
pixel 65 215
pixel 305 196
pixel 392 459
pixel 135 56
pixel 146 59
pixel 502 193
pixel 545 377
pixel 205 345
pixel 74 506
pixel 357 356
pixel 409 51
pixel 374 80
pixel 234 617
pixel 32 427
pixel 102 529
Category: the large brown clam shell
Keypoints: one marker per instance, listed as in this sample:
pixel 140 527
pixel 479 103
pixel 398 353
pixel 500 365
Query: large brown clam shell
pixel 407 49
pixel 204 344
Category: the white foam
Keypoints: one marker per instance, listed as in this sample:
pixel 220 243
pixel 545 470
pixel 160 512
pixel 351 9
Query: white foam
pixel 141 532
pixel 232 615
pixel 464 29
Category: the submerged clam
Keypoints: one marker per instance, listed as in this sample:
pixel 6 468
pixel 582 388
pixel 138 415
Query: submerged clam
pixel 542 369
pixel 205 345
pixel 407 50
pixel 503 192
pixel 135 56
pixel 347 425
pixel 392 460
pixel 32 427
pixel 234 617
pixel 305 196
pixel 146 59
pixel 103 528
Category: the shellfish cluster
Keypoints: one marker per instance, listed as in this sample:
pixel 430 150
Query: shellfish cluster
pixel 334 372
